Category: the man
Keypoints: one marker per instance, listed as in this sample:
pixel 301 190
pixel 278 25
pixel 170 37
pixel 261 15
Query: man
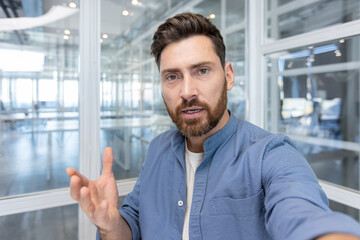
pixel 215 177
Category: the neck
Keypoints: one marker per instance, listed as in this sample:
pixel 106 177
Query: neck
pixel 196 144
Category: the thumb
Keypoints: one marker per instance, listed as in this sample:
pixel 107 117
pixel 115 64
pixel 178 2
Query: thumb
pixel 108 160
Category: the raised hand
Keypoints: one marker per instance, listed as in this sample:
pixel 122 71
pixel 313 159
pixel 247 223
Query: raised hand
pixel 98 198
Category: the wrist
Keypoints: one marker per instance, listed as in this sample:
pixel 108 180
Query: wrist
pixel 119 231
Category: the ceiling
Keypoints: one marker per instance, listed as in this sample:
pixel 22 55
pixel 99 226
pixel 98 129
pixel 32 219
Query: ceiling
pixel 113 21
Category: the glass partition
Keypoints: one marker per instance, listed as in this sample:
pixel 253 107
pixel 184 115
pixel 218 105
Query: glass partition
pixel 314 98
pixel 55 223
pixel 235 12
pixel 235 53
pixel 288 18
pixel 38 96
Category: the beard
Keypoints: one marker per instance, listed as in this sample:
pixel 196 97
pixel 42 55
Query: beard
pixel 196 127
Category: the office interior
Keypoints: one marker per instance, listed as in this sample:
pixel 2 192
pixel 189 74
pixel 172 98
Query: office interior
pixel 77 76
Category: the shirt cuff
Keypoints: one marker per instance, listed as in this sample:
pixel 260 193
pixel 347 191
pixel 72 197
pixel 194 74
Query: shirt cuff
pixel 326 224
pixel 134 225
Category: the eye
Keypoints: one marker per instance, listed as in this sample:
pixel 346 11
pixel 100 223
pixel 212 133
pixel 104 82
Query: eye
pixel 171 77
pixel 203 71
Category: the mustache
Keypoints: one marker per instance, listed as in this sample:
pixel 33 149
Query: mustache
pixel 191 103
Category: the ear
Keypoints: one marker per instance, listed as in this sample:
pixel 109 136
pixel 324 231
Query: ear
pixel 229 76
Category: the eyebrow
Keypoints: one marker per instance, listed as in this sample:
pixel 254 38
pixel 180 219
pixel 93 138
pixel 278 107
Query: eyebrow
pixel 172 70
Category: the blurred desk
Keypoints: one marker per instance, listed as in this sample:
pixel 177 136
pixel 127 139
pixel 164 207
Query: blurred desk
pixel 124 124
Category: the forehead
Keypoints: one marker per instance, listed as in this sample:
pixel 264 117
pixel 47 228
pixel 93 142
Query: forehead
pixel 188 52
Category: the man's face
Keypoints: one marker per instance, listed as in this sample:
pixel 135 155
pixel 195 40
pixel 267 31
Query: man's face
pixel 194 86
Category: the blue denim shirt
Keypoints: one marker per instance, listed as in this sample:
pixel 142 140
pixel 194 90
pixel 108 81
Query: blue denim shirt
pixel 251 185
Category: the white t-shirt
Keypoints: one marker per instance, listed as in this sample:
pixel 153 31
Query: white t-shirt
pixel 192 161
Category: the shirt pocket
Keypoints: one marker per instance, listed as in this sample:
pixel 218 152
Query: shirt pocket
pixel 239 207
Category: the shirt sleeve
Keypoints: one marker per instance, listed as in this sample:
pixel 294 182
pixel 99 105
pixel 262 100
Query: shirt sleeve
pixel 130 210
pixel 296 206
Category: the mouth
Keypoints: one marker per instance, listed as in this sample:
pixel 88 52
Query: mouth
pixel 192 112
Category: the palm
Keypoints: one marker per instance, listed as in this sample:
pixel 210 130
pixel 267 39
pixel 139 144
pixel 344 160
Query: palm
pixel 98 198
pixel 106 189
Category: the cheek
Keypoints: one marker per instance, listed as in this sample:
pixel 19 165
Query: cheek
pixel 214 93
pixel 167 98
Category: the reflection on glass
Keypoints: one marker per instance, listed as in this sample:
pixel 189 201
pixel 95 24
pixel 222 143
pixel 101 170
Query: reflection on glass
pixel 332 52
pixel 301 19
pixel 314 98
pixel 55 223
pixel 39 102
pixel 318 90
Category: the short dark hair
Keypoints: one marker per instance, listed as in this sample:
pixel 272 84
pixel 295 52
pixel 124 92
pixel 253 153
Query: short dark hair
pixel 183 26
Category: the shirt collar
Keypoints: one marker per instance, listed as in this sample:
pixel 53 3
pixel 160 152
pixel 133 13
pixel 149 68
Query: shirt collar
pixel 211 144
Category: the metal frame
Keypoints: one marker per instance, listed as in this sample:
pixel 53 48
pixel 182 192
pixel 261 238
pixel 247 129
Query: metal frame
pixel 50 199
pixel 256 87
pixel 89 105
pixel 343 195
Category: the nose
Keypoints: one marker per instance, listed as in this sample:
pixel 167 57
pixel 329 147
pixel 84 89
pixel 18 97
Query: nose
pixel 189 88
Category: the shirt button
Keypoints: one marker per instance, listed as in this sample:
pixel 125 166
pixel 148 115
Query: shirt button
pixel 180 203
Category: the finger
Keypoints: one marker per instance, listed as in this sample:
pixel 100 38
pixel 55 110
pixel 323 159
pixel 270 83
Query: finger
pixel 71 172
pixel 85 202
pixel 108 161
pixel 75 185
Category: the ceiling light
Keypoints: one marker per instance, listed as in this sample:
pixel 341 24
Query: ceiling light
pixel 67 31
pixel 72 5
pixel 311 47
pixel 338 53
pixel 135 2
pixel 212 16
pixel 291 64
pixel 101 41
pixel 125 12
pixel 341 40
pixel 66 37
pixel 105 36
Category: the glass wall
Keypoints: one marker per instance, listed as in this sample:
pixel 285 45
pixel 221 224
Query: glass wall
pixel 134 113
pixel 55 223
pixel 313 90
pixel 318 98
pixel 39 112
pixel 286 18
pixel 38 96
